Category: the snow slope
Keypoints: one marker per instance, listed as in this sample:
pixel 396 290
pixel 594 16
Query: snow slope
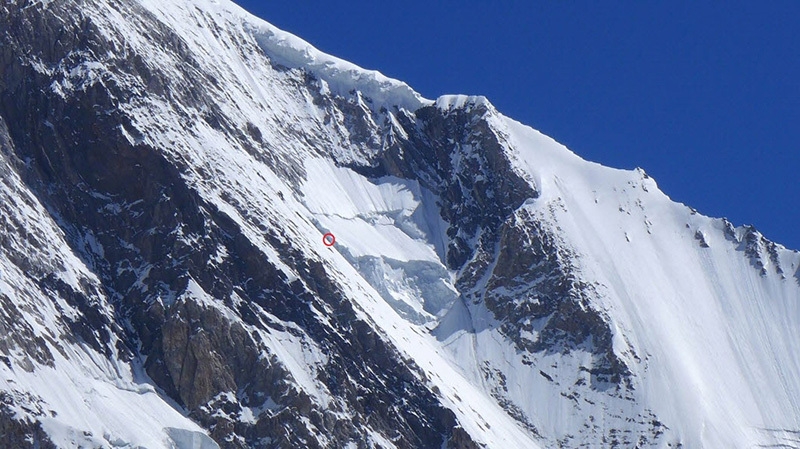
pixel 704 318
pixel 716 335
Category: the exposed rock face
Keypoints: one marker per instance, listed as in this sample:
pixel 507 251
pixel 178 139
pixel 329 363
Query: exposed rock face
pixel 127 211
pixel 159 244
pixel 20 433
pixel 458 155
pixel 504 253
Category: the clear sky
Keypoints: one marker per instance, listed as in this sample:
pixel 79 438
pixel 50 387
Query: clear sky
pixel 705 96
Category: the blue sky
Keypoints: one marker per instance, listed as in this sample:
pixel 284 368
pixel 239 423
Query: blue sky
pixel 705 96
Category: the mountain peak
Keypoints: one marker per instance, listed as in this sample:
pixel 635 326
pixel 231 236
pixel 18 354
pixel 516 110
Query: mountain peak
pixel 216 235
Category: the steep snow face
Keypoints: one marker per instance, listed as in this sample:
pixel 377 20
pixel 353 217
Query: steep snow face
pixel 175 171
pixel 703 315
pixel 685 299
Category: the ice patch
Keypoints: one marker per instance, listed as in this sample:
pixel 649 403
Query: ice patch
pixel 188 439
pixel 418 290
pixel 391 218
pixel 451 102
pixel 390 230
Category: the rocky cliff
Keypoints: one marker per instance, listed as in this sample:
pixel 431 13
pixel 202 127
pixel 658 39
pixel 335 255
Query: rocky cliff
pixel 168 171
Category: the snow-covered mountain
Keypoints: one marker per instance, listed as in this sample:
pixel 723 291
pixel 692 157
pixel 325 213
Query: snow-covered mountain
pixel 168 171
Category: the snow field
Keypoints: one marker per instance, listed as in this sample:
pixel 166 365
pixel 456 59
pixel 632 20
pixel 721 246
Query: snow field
pixel 710 342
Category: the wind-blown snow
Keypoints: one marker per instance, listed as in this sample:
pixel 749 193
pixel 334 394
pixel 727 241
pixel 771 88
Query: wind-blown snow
pixel 290 51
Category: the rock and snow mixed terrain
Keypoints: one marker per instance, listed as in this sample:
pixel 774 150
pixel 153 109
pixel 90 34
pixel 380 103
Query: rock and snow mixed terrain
pixel 168 171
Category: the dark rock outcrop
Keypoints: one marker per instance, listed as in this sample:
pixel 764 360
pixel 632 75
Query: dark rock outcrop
pixel 129 213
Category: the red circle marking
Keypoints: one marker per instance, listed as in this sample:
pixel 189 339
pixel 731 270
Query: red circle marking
pixel 328 239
